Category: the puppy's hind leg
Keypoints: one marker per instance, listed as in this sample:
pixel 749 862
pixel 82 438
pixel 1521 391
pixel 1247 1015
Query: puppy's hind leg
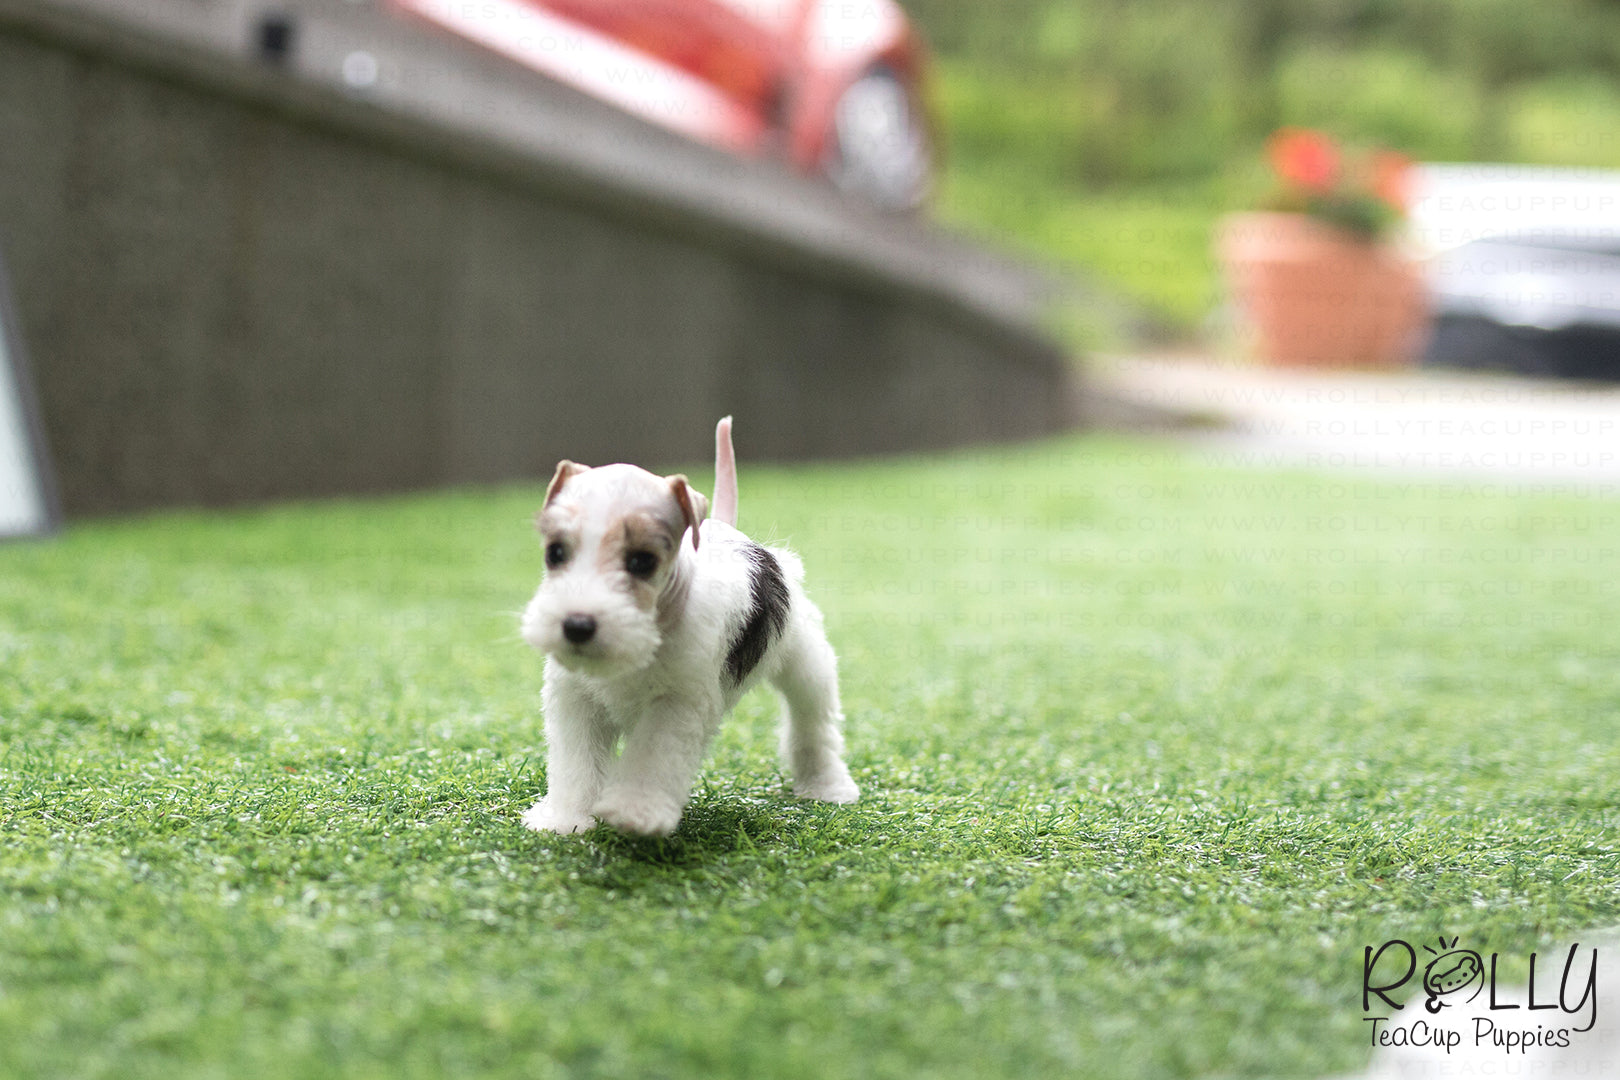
pixel 812 745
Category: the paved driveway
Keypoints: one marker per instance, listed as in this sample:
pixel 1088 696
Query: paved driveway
pixel 1421 423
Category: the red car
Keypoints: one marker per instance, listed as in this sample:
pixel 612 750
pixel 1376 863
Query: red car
pixel 832 86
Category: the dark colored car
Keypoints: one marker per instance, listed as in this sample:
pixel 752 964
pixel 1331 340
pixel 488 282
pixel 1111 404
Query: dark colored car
pixel 834 87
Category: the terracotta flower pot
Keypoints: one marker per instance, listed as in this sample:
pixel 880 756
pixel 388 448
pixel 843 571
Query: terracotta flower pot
pixel 1314 295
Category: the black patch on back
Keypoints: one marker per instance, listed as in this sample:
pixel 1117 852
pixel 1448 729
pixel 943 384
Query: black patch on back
pixel 767 611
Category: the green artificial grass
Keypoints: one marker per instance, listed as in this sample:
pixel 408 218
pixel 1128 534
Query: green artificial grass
pixel 1150 750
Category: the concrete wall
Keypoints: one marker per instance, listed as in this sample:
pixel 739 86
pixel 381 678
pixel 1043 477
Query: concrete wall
pixel 240 284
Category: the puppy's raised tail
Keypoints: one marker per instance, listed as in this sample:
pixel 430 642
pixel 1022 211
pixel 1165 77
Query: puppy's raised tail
pixel 725 475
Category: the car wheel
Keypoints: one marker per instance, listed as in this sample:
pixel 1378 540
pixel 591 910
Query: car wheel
pixel 879 149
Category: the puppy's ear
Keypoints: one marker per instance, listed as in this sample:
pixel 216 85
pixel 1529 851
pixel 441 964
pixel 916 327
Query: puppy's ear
pixel 565 469
pixel 694 507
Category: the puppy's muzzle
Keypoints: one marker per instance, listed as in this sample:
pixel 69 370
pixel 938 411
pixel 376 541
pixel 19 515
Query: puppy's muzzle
pixel 579 629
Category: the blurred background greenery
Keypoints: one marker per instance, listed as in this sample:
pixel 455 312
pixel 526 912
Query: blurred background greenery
pixel 1108 135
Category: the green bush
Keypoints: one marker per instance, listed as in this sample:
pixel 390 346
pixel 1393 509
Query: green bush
pixel 1565 121
pixel 1170 87
pixel 1382 96
pixel 1040 125
pixel 1144 101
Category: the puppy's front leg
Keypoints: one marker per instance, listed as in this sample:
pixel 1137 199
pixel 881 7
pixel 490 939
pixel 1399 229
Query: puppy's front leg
pixel 579 744
pixel 648 787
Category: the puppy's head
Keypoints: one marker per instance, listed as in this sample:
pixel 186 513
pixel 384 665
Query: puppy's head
pixel 614 574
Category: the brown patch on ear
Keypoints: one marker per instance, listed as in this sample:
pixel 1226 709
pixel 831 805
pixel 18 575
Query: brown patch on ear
pixel 694 507
pixel 565 469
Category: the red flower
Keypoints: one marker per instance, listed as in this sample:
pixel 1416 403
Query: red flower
pixel 1306 159
pixel 1363 191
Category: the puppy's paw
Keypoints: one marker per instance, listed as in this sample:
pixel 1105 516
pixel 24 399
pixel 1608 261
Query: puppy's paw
pixel 543 816
pixel 832 784
pixel 643 813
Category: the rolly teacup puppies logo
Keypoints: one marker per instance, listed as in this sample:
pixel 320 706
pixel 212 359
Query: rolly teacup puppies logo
pixel 1455 977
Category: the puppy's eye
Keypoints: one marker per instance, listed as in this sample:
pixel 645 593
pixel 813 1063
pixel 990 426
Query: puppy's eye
pixel 556 554
pixel 641 564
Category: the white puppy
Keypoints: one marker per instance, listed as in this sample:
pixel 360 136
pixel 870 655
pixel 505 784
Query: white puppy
pixel 651 638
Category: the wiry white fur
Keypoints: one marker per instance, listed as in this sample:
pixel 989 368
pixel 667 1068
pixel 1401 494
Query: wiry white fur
pixel 654 674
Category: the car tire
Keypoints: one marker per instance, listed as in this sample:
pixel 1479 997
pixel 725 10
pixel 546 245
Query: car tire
pixel 879 149
pixel 1478 344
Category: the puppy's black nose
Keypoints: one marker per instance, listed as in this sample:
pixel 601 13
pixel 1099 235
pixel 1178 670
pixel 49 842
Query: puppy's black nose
pixel 579 628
